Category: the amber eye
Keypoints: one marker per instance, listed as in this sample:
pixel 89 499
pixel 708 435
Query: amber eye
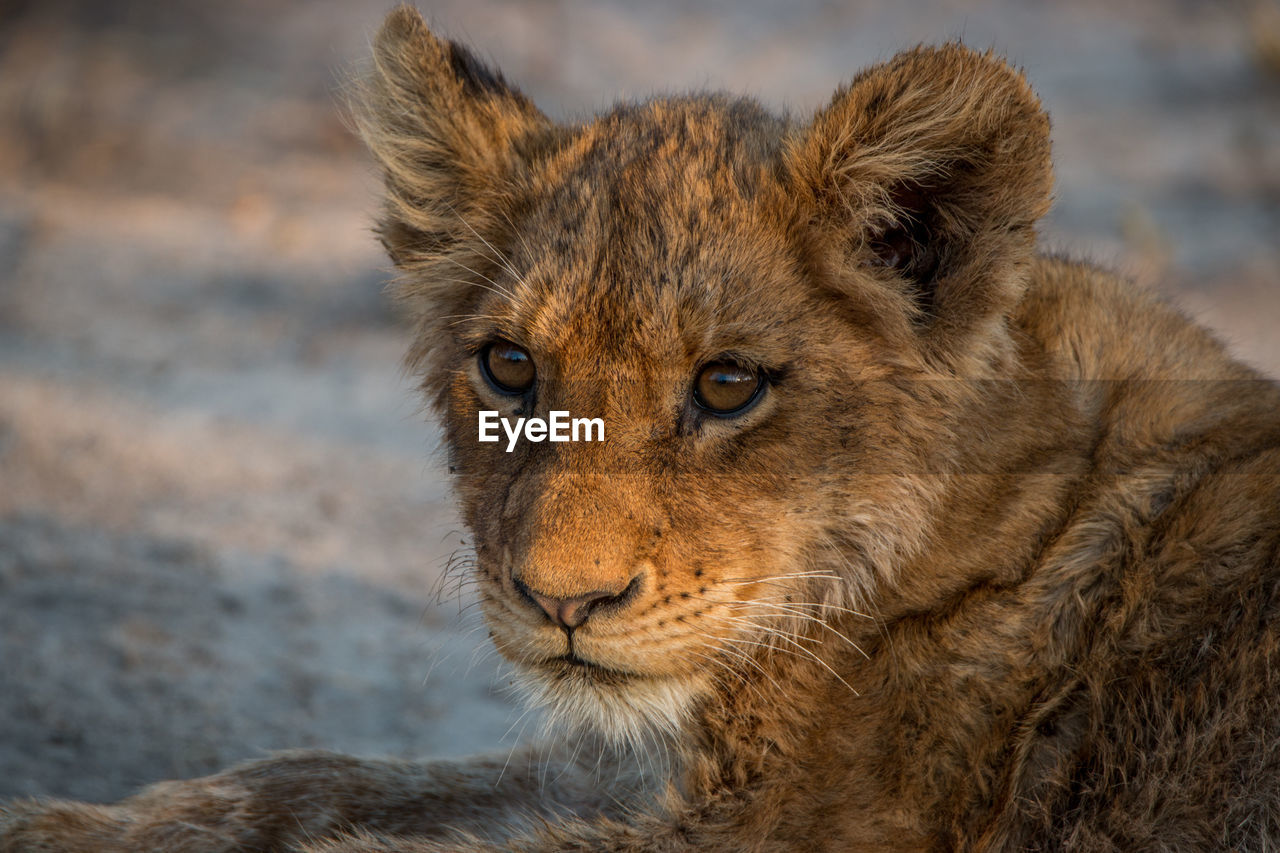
pixel 509 368
pixel 726 388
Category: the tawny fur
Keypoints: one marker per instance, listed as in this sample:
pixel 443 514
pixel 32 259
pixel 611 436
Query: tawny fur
pixel 994 564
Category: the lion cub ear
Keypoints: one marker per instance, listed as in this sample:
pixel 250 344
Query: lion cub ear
pixel 932 168
pixel 449 134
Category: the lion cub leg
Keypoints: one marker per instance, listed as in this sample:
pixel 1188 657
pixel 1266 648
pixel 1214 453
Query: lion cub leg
pixel 297 798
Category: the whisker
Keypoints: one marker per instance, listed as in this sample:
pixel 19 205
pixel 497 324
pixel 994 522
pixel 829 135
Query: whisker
pixel 737 676
pixel 500 290
pixel 498 256
pixel 772 631
pixel 738 653
pixel 458 319
pixel 791 609
pixel 814 574
pixel 519 234
pixel 800 614
pixel 823 605
pixel 515 745
pixel 806 652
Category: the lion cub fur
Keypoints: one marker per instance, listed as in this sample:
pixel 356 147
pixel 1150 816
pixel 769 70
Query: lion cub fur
pixel 993 564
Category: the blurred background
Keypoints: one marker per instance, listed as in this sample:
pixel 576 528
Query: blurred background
pixel 222 525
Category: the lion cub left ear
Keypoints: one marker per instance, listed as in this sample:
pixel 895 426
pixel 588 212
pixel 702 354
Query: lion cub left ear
pixel 931 170
pixel 450 134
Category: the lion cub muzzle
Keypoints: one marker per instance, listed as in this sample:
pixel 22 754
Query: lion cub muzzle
pixel 578 552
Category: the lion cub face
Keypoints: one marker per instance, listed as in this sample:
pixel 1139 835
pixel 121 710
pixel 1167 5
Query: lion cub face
pixel 625 569
pixel 743 303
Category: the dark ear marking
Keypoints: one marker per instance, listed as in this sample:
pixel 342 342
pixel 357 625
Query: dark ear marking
pixel 909 245
pixel 475 77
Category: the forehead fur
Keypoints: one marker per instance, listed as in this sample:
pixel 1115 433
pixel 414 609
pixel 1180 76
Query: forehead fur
pixel 669 209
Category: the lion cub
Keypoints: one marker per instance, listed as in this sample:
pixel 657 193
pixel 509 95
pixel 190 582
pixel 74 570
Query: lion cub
pixel 899 535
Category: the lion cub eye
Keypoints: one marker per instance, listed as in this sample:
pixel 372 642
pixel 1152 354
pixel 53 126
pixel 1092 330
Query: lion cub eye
pixel 726 388
pixel 507 367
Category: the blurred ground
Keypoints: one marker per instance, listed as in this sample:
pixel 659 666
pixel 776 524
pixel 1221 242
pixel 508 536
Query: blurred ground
pixel 221 528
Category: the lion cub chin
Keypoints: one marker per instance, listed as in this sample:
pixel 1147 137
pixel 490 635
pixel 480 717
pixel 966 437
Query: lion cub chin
pixel 896 534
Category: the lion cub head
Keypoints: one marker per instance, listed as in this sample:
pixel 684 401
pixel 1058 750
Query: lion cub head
pixel 749 305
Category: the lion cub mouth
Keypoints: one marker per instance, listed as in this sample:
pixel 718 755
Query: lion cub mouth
pixel 571 665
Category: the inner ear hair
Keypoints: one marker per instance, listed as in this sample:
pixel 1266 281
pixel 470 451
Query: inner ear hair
pixel 910 243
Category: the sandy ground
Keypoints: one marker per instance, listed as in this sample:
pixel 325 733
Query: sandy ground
pixel 223 526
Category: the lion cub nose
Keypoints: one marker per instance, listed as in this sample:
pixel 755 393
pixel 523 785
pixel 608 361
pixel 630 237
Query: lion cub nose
pixel 569 613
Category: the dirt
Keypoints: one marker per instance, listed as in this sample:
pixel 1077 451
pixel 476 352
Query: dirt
pixel 223 521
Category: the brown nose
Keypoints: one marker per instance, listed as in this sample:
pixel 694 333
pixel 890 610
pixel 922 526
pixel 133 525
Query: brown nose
pixel 569 613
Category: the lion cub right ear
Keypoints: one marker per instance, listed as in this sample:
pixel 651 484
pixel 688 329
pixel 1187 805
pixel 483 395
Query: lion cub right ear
pixel 449 134
pixel 931 171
